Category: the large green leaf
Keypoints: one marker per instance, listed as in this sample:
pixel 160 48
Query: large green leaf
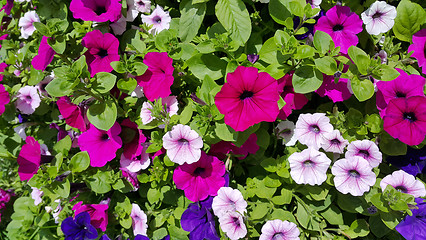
pixel 202 65
pixel 102 115
pixel 59 87
pixel 408 20
pixel 306 79
pixel 192 16
pixel 234 17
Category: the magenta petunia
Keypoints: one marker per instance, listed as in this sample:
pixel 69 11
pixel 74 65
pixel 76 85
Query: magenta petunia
pixel 222 148
pixel 405 183
pixel 418 46
pixel 73 114
pixel 100 145
pixel 96 10
pixel 158 79
pixel 405 119
pixel 293 101
pixel 29 159
pixel 342 25
pixel 4 98
pixel 98 213
pixel 8 7
pixel 248 97
pixel 132 139
pixel 200 179
pixel 403 86
pixel 44 56
pixel 102 50
pixel 337 92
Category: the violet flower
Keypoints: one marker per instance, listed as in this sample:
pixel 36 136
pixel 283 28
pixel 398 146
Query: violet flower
pixel 414 227
pixel 79 228
pixel 98 213
pixel 414 162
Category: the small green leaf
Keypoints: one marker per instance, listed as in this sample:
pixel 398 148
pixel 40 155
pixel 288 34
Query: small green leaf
pixel 118 66
pixel 102 115
pixel 304 51
pixel 104 82
pixel 360 58
pixel 63 146
pixel 203 65
pixel 100 182
pixel 80 162
pixel 43 29
pixel 391 146
pixel 322 41
pixel 35 76
pixel 139 68
pixel 363 89
pixel 306 79
pixel 279 11
pixel 225 132
pixel 127 85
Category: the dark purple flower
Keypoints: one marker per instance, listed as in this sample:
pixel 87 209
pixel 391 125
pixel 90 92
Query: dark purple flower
pixel 310 27
pixel 252 58
pixel 414 227
pixel 414 162
pixel 96 10
pixel 105 237
pixel 8 7
pixel 142 237
pixel 199 220
pixel 79 228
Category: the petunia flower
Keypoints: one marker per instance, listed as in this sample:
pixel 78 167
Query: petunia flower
pixel 418 46
pixel 36 195
pixel 232 224
pixel 159 20
pixel 293 101
pixel 73 114
pixel 334 142
pixel 353 176
pixel 78 228
pixel 414 162
pixel 102 50
pixel 44 55
pixel 379 17
pixel 136 163
pixel 131 177
pixel 171 107
pixel 413 227
pixel 42 85
pixel 95 10
pixel 342 25
pixel 222 148
pixel 158 78
pixel 285 131
pixel 336 92
pixel 98 213
pixel 199 221
pixel 200 179
pixel 120 26
pixel 252 58
pixel 133 139
pixel 26 23
pixel 8 7
pixel 29 159
pixel 309 167
pixel 404 183
pixel 4 99
pixel 365 149
pixel 3 66
pixel 403 86
pixel 228 200
pixel 139 220
pixel 100 145
pixel 311 129
pixel 405 119
pixel 278 229
pixel 183 144
pixel 143 6
pixel 248 97
pixel 27 99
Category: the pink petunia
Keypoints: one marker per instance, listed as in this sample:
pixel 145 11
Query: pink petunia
pixel 403 86
pixel 102 50
pixel 8 7
pixel 279 229
pixel 73 114
pixel 158 78
pixel 248 97
pixel 4 98
pixel 159 20
pixel 334 142
pixel 342 25
pixel 232 223
pixel 100 145
pixel 28 99
pixel 132 139
pixel 200 179
pixel 309 166
pixel 98 214
pixel 228 200
pixel 337 92
pixel 96 10
pixel 139 220
pixel 293 101
pixel 418 46
pixel 365 149
pixel 311 129
pixel 222 148
pixel 26 23
pixel 405 119
pixel 44 56
pixel 405 183
pixel 29 159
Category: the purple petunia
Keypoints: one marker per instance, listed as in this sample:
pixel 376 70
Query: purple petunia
pixel 414 227
pixel 96 10
pixel 79 228
pixel 414 162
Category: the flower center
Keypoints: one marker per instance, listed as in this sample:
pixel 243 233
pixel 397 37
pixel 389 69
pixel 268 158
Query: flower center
pixel 308 163
pixel 156 19
pixel 364 153
pixel 278 236
pixel 377 15
pixel 337 28
pixel 335 141
pixel 354 173
pixel 400 95
pixel 183 141
pixel 28 97
pixel 246 94
pixel 198 171
pixel 410 116
pixel 401 189
pixel 141 3
pixel 102 53
pixel 105 137
pixel 314 128
pixel 236 221
pixel 99 10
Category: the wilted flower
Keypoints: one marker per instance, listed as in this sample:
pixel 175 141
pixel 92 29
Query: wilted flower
pixel 285 130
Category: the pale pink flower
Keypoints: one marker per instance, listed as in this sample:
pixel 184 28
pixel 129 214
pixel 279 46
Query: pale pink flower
pixel 353 176
pixel 28 99
pixel 146 115
pixel 170 104
pixel 232 224
pixel 143 6
pixel 309 167
pixel 379 17
pixel 279 230
pixel 228 200
pixel 405 183
pixel 183 144
pixel 285 131
pixel 311 128
pixel 334 142
pixel 159 20
pixel 139 220
pixel 365 149
pixel 26 23
pixel 36 195
pixel 119 27
pixel 136 164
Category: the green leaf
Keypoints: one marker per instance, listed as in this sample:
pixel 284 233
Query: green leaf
pixel 127 85
pixel 279 11
pixel 102 115
pixel 104 82
pixel 284 198
pixel 186 114
pixel 60 87
pixel 410 16
pixel 118 66
pixel 100 182
pixel 304 51
pixel 259 211
pixel 63 146
pixel 333 215
pixel 306 218
pixel 306 79
pixel 391 219
pixel 58 44
pixel 225 132
pixel 203 65
pixel 234 17
pixel 283 215
pixel 43 29
pixel 374 123
pixel 363 89
pixel 360 58
pixel 269 52
pixel 80 162
pixel 139 68
pixel 326 65
pixel 358 228
pixel 378 228
pixel 36 76
pixel 154 195
pixel 391 146
pixel 322 41
pixel 385 73
pixel 138 44
pixel 192 16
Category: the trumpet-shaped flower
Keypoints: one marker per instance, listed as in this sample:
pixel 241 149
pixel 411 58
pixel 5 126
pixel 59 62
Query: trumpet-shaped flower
pixel 334 142
pixel 413 227
pixel 139 220
pixel 4 98
pixel 26 23
pixel 73 114
pixel 44 56
pixel 379 17
pixel 228 200
pixel 143 6
pixel 405 183
pixel 278 229
pixel 159 20
pixel 309 167
pixel 29 159
pixel 365 149
pixel 183 144
pixel 293 101
pixel 27 99
pixel 418 46
pixel 232 224
pixel 79 228
pixel 311 129
pixel 337 92
pixel 98 213
pixel 95 10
